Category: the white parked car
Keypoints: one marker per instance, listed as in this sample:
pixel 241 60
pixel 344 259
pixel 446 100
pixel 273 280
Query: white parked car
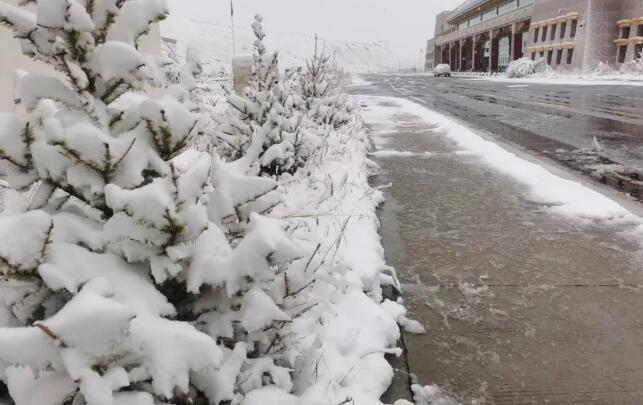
pixel 442 70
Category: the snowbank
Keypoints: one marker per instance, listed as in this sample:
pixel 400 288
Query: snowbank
pixel 428 395
pixel 345 331
pixel 537 72
pixel 525 67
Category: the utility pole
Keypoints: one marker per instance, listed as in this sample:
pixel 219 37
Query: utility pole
pixel 316 46
pixel 421 60
pixel 234 47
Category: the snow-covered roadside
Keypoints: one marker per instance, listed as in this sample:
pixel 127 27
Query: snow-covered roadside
pixel 357 80
pixel 577 80
pixel 344 330
pixel 562 196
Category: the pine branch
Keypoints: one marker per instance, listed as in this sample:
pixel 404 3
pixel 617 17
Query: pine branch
pixel 51 334
pixel 102 207
pixel 22 166
pixel 47 243
pixel 111 94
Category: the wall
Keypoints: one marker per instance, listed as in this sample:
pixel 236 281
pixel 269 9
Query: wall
pixel 601 32
pixel 597 27
pixel 429 61
pixel 546 9
pixel 12 59
pixel 630 9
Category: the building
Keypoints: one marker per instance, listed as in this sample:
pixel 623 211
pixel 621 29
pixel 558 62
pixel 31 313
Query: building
pixel 430 55
pixel 486 35
pixel 13 59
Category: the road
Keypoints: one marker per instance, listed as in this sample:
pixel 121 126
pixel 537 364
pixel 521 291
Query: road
pixel 521 306
pixel 556 121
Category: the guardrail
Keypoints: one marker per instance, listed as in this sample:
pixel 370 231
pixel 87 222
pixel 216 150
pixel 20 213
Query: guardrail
pixel 476 74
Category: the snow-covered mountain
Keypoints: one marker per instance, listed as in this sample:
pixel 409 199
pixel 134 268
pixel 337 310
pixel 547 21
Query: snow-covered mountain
pixel 215 45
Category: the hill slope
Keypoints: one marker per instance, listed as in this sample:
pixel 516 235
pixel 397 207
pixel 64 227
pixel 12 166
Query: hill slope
pixel 215 45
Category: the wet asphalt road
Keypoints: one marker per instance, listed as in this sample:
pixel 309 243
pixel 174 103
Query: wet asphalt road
pixel 521 306
pixel 556 121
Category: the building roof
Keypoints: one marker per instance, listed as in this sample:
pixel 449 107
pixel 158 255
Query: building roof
pixel 465 7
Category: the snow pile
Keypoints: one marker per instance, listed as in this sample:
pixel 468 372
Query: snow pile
pixel 633 67
pixel 428 395
pixel 629 73
pixel 343 332
pixel 525 67
pixel 142 259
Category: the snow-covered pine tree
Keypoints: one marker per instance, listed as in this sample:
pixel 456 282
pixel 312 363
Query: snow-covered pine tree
pixel 267 149
pixel 325 98
pixel 118 281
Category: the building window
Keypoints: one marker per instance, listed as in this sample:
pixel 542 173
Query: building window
pixel 570 55
pixel 572 34
pixel 638 50
pixel 550 55
pixel 542 54
pixel 544 37
pixel 563 28
pixel 533 56
pixel 639 32
pixel 559 56
pixel 490 14
pixel 625 32
pixel 536 31
pixel 553 32
pixel 622 52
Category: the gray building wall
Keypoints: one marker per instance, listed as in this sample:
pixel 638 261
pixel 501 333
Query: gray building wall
pixel 429 62
pixel 631 9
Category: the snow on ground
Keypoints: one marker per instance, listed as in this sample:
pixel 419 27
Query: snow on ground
pixel 569 79
pixel 563 196
pixel 215 45
pixel 332 209
pixel 428 395
pixel 357 81
pixel 538 71
pixel 395 153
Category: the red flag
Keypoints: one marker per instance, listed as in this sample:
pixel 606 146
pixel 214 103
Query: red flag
pixel 231 9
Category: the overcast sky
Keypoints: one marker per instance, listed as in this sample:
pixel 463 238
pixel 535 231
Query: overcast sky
pixel 405 24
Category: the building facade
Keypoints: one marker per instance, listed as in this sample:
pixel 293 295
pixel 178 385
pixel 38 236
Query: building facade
pixel 430 56
pixel 13 59
pixel 486 35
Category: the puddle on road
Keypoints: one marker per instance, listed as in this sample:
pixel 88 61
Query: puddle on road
pixel 533 307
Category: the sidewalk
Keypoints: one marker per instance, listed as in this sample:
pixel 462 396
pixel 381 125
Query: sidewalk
pixel 525 300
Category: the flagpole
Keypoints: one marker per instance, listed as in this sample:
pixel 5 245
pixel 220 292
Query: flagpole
pixel 234 47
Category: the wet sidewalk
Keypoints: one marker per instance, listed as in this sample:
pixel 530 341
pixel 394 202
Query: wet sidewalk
pixel 521 306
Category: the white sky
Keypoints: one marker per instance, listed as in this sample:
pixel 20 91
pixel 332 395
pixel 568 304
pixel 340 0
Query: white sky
pixel 405 24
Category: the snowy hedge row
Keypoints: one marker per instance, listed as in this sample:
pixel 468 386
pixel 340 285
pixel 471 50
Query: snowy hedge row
pixel 137 270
